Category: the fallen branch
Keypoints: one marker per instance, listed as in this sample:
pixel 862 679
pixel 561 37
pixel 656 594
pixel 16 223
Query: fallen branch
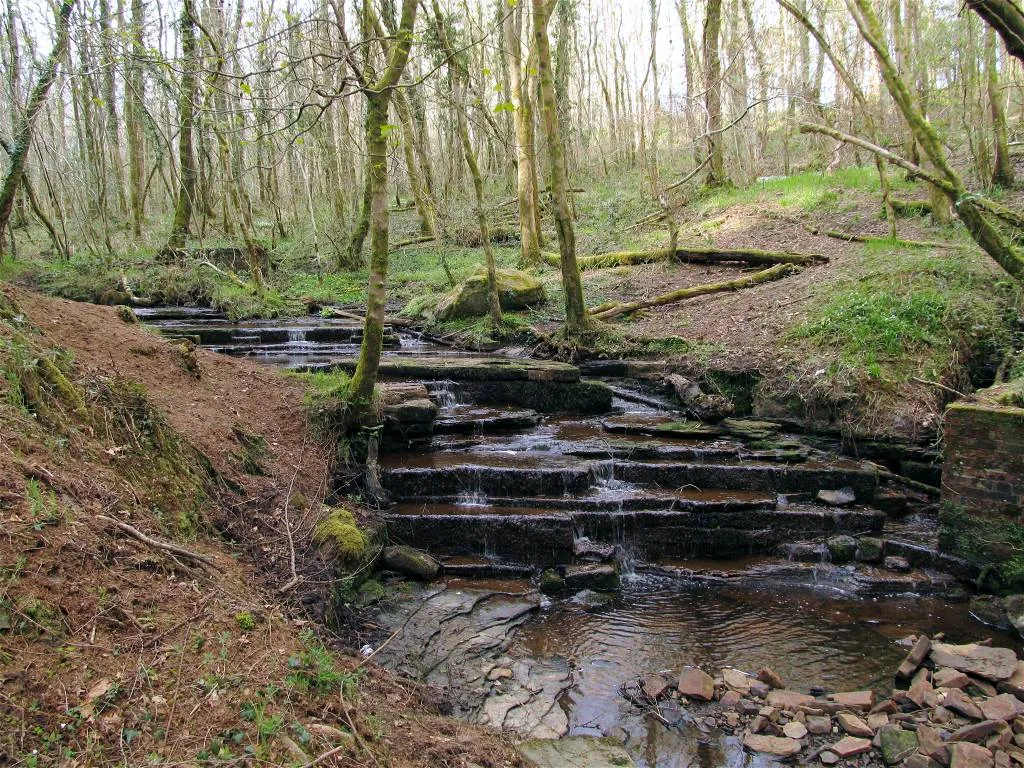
pixel 229 275
pixel 764 276
pixel 852 238
pixel 910 207
pixel 691 255
pixel 412 241
pixel 165 546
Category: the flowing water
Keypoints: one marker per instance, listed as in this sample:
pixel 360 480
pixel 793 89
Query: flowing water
pixel 508 493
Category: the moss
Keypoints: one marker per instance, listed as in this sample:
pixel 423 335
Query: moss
pixel 126 315
pixel 339 531
pixel 992 544
pixel 253 451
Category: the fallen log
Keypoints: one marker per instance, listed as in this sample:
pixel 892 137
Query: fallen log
pixel 764 276
pixel 691 255
pixel 411 241
pixel 910 207
pixel 849 237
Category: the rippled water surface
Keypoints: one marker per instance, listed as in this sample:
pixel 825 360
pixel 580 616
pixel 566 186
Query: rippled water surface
pixel 810 637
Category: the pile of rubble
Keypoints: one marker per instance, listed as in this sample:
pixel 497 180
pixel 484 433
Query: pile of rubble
pixel 960 706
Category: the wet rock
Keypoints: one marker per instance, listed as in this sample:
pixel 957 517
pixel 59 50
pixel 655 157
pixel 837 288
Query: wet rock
pixel 795 729
pixel 922 647
pixel 1002 707
pixel 869 550
pixel 967 755
pixel 655 686
pixel 370 592
pixel 411 562
pixel 896 563
pixel 588 598
pixel 770 677
pixel 601 577
pixel 1015 685
pixel 841 549
pixel 590 551
pixel 857 700
pixel 896 744
pixel 853 725
pixel 843 497
pixel 788 700
pixel 850 746
pixel 737 680
pixel 828 757
pixel 819 725
pixel 958 701
pixel 780 746
pixel 696 684
pixel 499 673
pixel 516 290
pixel 890 501
pixel 703 406
pixel 989 610
pixel 801 552
pixel 974 659
pixel 575 752
pixel 759 689
pixel 551 582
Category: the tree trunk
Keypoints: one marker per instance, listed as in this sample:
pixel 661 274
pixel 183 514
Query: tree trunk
pixel 36 100
pixel 378 96
pixel 713 94
pixel 1002 171
pixel 526 169
pixel 188 172
pixel 576 319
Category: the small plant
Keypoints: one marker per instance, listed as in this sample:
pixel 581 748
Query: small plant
pixel 314 670
pixel 43 506
pixel 245 621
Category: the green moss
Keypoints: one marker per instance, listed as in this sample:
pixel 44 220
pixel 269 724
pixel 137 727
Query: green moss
pixel 253 451
pixel 340 531
pixel 994 545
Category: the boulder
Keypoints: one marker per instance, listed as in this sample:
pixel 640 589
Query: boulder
pixel 974 659
pixel 1014 607
pixel 655 686
pixel 819 725
pixel 737 680
pixel 857 700
pixel 780 746
pixel 841 549
pixel 959 702
pixel 770 677
pixel 842 497
pixel 411 562
pixel 696 684
pixel 600 576
pixel 918 653
pixel 516 290
pixel 896 744
pixel 950 678
pixel 870 550
pixel 551 582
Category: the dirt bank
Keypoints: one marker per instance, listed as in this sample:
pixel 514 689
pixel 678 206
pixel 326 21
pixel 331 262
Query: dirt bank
pixel 114 649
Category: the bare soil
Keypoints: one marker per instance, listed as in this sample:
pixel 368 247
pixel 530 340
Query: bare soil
pixel 116 651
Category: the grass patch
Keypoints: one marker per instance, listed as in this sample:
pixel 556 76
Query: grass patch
pixel 913 313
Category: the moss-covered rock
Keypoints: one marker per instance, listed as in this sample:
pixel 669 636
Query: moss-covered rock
pixel 551 582
pixel 870 550
pixel 411 562
pixel 516 290
pixel 841 549
pixel 339 531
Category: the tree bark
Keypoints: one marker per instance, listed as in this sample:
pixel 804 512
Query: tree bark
pixel 713 94
pixel 1002 170
pixel 36 100
pixel 576 318
pixel 188 171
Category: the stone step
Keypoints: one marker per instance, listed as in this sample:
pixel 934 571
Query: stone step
pixel 468 368
pixel 599 500
pixel 461 419
pixel 483 568
pixel 545 537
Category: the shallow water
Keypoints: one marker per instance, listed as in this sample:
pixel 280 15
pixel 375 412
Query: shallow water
pixel 811 637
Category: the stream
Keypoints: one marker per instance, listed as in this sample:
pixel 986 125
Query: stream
pixel 698 523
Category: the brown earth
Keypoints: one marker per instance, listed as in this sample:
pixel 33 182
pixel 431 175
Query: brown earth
pixel 116 651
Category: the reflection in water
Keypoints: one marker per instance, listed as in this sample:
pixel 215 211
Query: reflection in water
pixel 810 638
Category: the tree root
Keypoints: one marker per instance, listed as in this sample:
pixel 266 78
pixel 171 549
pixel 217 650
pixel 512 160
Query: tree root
pixel 776 272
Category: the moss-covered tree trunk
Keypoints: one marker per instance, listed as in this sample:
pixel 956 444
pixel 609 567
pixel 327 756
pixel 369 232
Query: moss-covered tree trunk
pixel 23 138
pixel 576 318
pixel 526 167
pixel 188 171
pixel 1002 170
pixel 378 98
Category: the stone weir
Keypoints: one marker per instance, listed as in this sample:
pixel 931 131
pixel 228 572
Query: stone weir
pixel 491 462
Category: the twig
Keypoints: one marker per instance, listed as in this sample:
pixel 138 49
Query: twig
pixel 162 545
pixel 324 757
pixel 937 384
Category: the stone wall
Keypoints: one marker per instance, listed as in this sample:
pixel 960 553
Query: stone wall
pixel 982 515
pixel 983 469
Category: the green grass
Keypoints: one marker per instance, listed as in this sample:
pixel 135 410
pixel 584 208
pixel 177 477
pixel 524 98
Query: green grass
pixel 912 314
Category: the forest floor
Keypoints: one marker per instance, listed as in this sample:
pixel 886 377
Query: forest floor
pixel 882 336
pixel 114 650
